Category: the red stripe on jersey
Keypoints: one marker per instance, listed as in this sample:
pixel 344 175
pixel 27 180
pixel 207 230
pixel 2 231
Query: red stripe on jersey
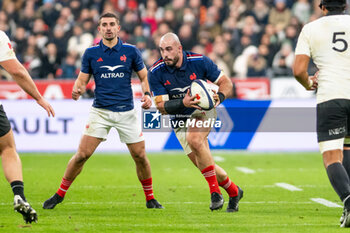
pixel 194 55
pixel 156 63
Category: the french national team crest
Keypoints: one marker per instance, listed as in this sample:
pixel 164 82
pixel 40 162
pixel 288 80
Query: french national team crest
pixel 123 58
pixel 151 119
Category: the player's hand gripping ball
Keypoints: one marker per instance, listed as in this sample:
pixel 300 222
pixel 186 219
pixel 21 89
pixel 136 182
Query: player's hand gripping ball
pixel 203 93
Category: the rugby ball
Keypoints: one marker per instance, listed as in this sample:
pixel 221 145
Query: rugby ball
pixel 203 93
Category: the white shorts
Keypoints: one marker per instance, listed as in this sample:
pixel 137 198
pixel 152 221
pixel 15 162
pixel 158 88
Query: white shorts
pixel 181 132
pixel 126 123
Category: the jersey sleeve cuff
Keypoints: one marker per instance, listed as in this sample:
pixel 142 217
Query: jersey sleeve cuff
pixel 220 75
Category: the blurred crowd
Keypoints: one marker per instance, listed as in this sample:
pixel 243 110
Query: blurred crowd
pixel 245 38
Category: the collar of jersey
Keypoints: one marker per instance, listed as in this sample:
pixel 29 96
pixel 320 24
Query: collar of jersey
pixel 182 67
pixel 116 47
pixel 335 13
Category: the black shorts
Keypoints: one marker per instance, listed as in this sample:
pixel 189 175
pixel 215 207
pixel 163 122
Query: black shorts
pixel 4 122
pixel 333 119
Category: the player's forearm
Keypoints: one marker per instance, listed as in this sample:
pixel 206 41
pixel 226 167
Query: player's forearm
pixel 225 86
pixel 171 106
pixel 145 85
pixel 300 67
pixel 81 82
pixel 23 79
pixel 144 81
pixel 302 78
pixel 160 107
pixel 227 91
pixel 80 85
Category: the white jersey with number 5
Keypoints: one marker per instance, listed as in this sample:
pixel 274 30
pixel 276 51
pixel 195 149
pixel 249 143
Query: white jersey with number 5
pixel 327 42
pixel 6 51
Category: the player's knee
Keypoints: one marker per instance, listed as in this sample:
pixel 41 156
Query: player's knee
pixel 83 155
pixel 140 156
pixel 138 151
pixel 331 151
pixel 7 149
pixel 331 156
pixel 195 142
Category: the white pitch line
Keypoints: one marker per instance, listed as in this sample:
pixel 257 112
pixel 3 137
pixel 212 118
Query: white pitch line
pixel 288 186
pixel 219 158
pixel 170 203
pixel 326 203
pixel 234 224
pixel 245 170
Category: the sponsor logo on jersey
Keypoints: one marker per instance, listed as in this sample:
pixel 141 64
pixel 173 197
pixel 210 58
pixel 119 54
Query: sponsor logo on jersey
pixel 179 89
pixel 167 83
pixel 100 59
pixel 112 68
pixel 112 75
pixel 178 96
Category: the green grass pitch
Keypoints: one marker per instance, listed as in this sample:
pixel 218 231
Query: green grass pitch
pixel 107 196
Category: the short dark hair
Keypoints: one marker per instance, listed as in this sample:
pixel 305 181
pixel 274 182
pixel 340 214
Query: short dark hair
pixel 335 9
pixel 108 15
pixel 333 5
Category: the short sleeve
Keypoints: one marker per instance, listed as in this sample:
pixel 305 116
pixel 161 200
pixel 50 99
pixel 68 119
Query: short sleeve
pixel 138 62
pixel 6 50
pixel 302 44
pixel 85 63
pixel 156 85
pixel 212 70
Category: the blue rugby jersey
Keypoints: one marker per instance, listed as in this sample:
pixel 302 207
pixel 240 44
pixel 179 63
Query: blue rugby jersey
pixel 166 80
pixel 112 69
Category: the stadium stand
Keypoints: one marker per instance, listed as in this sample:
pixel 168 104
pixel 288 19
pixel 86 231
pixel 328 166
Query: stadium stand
pixel 247 39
